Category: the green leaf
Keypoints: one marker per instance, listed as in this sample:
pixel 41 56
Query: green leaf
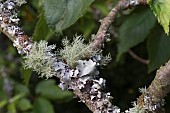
pixel 26 75
pixel 3 103
pixel 60 14
pixel 42 31
pixel 24 104
pixel 21 89
pixel 42 105
pixel 17 97
pixel 158 46
pixel 161 9
pixel 12 108
pixel 12 104
pixel 134 30
pixel 50 90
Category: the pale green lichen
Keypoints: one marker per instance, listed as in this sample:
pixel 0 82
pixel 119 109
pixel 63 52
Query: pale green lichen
pixel 76 50
pixel 135 109
pixel 41 59
pixel 105 60
pixel 143 90
pixel 20 2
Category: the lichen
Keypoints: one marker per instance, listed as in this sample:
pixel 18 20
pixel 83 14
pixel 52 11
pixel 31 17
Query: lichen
pixel 105 60
pixel 41 59
pixel 76 50
pixel 149 104
pixel 135 109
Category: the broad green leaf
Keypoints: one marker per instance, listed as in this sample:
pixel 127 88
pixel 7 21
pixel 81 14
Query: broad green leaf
pixel 158 46
pixel 61 14
pixel 12 104
pixel 50 90
pixel 21 89
pixel 42 105
pixel 161 9
pixel 12 108
pixel 42 31
pixel 24 104
pixel 3 103
pixel 134 30
pixel 26 75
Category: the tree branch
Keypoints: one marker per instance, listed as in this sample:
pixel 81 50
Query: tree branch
pixel 9 26
pixel 158 89
pixel 107 21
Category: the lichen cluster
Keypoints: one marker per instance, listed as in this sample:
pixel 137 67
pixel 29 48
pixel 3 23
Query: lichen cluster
pixel 40 59
pixel 75 50
pixel 149 104
pixel 83 76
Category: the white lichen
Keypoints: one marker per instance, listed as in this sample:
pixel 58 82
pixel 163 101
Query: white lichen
pixel 86 67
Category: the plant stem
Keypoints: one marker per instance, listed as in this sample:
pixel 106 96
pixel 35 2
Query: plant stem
pixel 137 57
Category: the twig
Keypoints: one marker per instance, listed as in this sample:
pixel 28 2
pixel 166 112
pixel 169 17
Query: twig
pixel 138 58
pixel 107 21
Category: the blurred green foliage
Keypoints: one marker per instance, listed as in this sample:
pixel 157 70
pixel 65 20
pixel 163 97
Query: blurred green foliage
pixel 21 91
